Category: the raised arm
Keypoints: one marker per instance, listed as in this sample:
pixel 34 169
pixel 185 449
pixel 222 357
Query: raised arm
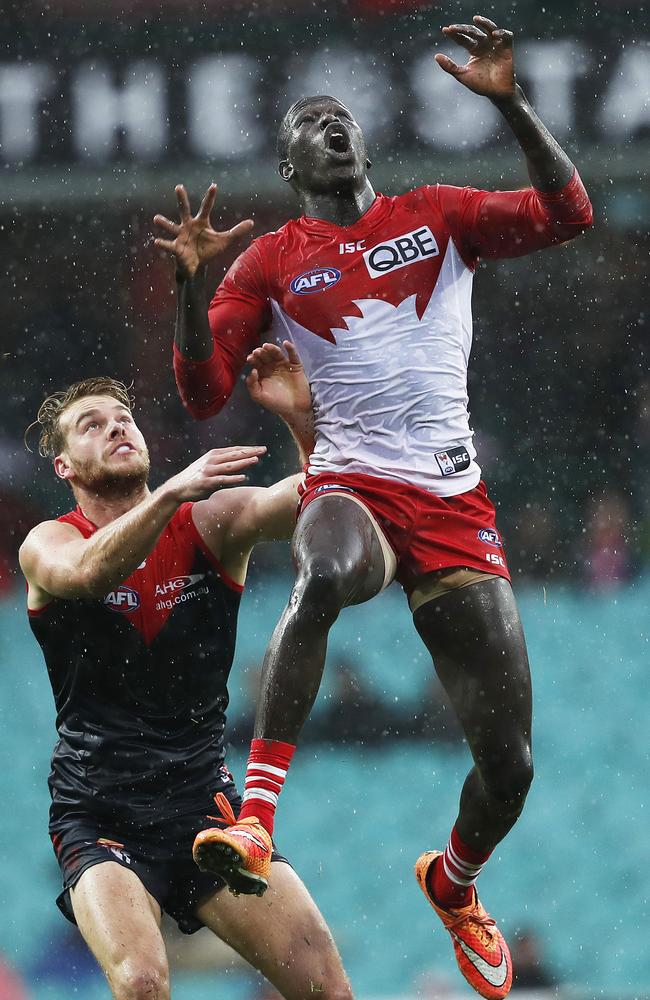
pixel 210 348
pixel 508 223
pixel 58 562
pixel 231 524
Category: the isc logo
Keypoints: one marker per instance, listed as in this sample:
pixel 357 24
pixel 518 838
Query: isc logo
pixel 123 599
pixel 453 460
pixel 400 252
pixel 319 279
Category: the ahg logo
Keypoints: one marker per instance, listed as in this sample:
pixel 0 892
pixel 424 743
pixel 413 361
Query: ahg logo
pixel 178 583
pixel 401 252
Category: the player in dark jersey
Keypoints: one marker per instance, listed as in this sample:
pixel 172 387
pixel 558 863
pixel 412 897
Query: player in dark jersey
pixel 133 597
pixel 376 291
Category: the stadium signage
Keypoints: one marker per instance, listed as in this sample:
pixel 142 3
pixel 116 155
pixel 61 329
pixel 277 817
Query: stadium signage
pixel 102 110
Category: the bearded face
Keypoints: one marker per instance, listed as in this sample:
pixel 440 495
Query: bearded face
pixel 105 453
pixel 112 474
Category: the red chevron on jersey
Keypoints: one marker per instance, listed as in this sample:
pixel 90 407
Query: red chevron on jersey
pixel 164 581
pixel 380 312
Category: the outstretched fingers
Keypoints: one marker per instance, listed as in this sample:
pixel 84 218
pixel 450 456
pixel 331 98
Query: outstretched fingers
pixel 168 245
pixel 241 229
pixel 165 223
pixel 484 22
pixel 467 35
pixel 208 203
pixel 183 203
pixel 498 36
pixel 448 64
pixel 503 37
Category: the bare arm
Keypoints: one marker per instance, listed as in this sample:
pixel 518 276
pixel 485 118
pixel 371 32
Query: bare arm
pixel 490 73
pixel 194 243
pixel 57 562
pixel 231 524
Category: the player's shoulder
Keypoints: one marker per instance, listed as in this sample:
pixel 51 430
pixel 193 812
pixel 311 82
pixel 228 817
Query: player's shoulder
pixel 46 534
pixel 425 198
pixel 268 242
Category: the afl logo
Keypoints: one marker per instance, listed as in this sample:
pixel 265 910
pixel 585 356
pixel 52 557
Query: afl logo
pixel 319 279
pixel 123 599
pixel 490 536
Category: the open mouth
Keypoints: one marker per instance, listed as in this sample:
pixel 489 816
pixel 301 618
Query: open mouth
pixel 123 449
pixel 337 139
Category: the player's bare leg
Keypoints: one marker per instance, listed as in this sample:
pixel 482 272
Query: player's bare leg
pixel 120 922
pixel 476 640
pixel 282 935
pixel 341 559
pixel 339 563
pixel 477 643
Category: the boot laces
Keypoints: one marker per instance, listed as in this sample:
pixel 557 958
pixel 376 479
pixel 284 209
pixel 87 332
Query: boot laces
pixel 227 817
pixel 483 925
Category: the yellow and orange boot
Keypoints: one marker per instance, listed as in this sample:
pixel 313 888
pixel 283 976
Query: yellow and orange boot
pixel 240 852
pixel 481 951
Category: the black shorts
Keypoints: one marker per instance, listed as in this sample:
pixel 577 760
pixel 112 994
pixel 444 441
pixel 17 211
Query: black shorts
pixel 159 854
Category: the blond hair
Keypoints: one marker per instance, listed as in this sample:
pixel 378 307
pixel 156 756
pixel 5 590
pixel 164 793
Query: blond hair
pixel 51 439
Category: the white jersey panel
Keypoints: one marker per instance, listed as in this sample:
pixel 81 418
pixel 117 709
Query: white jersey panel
pixel 390 396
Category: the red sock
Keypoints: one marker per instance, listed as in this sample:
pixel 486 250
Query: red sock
pixel 452 876
pixel 268 763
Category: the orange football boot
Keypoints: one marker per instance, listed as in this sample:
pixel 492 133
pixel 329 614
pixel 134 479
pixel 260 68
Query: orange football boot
pixel 240 853
pixel 481 951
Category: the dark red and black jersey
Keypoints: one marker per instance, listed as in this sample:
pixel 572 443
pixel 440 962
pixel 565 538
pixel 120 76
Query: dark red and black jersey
pixel 139 680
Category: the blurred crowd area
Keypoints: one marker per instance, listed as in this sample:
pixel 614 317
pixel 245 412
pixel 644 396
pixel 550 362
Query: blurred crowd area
pixel 559 386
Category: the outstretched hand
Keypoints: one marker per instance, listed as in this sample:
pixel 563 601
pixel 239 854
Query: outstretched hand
pixel 194 241
pixel 278 381
pixel 490 69
pixel 217 469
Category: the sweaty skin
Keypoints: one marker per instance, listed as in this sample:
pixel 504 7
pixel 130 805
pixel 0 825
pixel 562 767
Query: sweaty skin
pixel 473 634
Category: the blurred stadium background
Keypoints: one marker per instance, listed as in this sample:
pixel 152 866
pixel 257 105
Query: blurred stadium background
pixel 103 108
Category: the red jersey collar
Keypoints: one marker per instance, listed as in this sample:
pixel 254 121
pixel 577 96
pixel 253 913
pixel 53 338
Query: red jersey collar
pixel 370 219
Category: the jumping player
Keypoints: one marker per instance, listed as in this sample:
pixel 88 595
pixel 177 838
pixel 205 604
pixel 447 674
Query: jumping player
pixel 375 291
pixel 133 597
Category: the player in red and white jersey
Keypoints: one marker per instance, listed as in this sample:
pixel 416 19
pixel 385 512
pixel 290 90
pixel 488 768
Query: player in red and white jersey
pixel 375 292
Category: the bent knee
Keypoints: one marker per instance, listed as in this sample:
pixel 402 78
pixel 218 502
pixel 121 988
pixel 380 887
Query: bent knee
pixel 322 586
pixel 510 783
pixel 140 981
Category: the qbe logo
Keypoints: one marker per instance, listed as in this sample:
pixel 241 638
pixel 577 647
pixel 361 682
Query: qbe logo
pixel 319 279
pixel 401 252
pixel 123 599
pixel 490 536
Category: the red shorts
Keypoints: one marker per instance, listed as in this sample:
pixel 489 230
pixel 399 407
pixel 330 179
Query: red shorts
pixel 426 532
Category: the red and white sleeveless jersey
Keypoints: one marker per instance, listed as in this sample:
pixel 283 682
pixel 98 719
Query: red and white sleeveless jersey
pixel 380 313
